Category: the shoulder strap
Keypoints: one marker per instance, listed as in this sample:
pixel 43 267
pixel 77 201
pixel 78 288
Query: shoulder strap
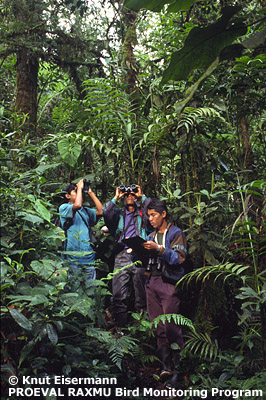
pixel 142 219
pixel 93 239
pixel 85 222
pixel 169 230
pixel 85 209
pixel 164 234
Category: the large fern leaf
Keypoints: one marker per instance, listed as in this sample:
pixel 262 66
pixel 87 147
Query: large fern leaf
pixel 193 116
pixel 116 346
pixel 177 318
pixel 226 271
pixel 202 344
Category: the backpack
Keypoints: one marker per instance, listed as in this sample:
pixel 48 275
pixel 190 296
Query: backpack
pixel 66 226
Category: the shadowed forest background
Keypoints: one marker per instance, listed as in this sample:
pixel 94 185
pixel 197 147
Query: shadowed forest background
pixel 167 95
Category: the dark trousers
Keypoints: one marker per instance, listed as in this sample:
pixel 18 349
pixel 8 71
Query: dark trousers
pixel 162 298
pixel 121 284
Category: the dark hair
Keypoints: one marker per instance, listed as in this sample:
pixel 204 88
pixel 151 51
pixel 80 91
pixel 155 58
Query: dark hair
pixel 70 187
pixel 157 205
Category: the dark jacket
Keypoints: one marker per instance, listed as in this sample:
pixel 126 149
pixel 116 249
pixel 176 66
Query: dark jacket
pixel 174 253
pixel 114 218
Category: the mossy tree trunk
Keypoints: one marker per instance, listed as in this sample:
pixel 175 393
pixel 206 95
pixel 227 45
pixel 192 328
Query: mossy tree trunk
pixel 26 97
pixel 128 57
pixel 29 18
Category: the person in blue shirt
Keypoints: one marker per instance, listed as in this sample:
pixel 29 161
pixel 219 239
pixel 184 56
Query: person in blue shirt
pixel 76 220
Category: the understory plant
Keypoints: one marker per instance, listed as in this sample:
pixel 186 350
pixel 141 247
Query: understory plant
pixel 250 289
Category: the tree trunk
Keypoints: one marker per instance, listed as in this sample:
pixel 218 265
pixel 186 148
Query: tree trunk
pixel 128 61
pixel 27 64
pixel 248 157
pixel 26 98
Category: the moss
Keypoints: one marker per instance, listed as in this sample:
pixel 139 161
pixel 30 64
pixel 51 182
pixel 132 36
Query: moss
pixel 129 42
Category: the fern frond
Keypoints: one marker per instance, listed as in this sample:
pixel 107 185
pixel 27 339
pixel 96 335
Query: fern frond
pixel 117 347
pixel 193 116
pixel 177 318
pixel 105 100
pixel 202 344
pixel 121 346
pixel 226 270
pixel 139 355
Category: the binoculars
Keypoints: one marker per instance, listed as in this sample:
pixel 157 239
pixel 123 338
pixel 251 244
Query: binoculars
pixel 128 189
pixel 86 186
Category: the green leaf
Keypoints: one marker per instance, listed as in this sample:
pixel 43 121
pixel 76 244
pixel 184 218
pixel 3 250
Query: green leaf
pixel 82 306
pixel 27 216
pixel 204 191
pixel 177 193
pixel 153 5
pixel 8 368
pixel 42 210
pixel 44 268
pixel 199 221
pixel 24 288
pixel 26 351
pixel 52 334
pixel 175 346
pixel 196 52
pixel 209 257
pixel 180 5
pixel 69 151
pixel 157 5
pixel 20 319
pixel 43 168
pixel 39 299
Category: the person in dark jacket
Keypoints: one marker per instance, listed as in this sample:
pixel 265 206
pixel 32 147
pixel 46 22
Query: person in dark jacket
pixel 126 222
pixel 167 247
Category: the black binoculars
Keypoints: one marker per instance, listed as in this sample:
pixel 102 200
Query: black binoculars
pixel 154 262
pixel 86 186
pixel 132 188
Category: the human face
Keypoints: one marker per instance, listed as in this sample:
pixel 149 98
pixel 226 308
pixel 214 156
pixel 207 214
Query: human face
pixel 130 198
pixel 72 196
pixel 157 220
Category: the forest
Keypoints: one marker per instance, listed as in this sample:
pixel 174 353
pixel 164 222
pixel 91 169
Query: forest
pixel 166 94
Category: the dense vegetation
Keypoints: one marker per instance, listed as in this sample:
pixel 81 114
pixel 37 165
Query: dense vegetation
pixel 171 97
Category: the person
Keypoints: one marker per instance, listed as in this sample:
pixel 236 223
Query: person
pixel 78 220
pixel 166 246
pixel 126 222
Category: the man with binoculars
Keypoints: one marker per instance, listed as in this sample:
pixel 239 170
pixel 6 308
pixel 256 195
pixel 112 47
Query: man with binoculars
pixel 127 222
pixel 76 221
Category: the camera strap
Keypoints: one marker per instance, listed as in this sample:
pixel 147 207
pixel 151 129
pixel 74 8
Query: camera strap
pixel 91 235
pixel 83 219
pixel 164 237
